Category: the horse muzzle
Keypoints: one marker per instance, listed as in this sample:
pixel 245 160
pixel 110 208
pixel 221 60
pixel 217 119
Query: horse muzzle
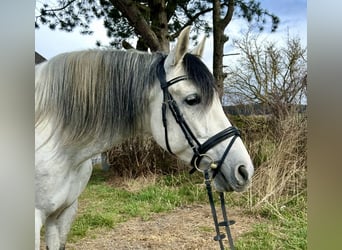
pixel 229 173
pixel 235 179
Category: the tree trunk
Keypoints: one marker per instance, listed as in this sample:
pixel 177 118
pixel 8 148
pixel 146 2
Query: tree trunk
pixel 159 23
pixel 218 59
pixel 137 20
pixel 220 39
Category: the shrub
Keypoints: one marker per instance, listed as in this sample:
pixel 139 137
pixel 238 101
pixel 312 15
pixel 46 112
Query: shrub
pixel 141 156
pixel 277 148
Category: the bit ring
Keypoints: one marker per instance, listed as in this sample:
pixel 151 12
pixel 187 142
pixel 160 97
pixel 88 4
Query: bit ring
pixel 211 164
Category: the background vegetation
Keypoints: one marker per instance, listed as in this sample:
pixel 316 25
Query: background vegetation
pixel 273 78
pixel 278 193
pixel 266 75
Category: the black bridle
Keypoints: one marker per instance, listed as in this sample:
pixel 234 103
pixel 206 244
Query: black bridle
pixel 198 148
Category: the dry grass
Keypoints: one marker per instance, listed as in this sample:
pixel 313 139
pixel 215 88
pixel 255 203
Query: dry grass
pixel 141 156
pixel 188 228
pixel 147 204
pixel 281 155
pixel 133 185
pixel 277 147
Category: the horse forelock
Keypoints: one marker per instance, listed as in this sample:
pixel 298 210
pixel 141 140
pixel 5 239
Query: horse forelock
pixel 96 92
pixel 198 73
pixel 203 79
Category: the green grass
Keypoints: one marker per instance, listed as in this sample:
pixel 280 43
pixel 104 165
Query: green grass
pixel 286 228
pixel 104 206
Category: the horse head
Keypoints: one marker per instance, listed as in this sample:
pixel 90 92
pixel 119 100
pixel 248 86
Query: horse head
pixel 187 119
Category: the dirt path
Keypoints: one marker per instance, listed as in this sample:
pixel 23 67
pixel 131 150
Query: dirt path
pixel 184 228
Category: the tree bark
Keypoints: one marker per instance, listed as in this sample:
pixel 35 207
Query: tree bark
pixel 219 25
pixel 159 23
pixel 137 20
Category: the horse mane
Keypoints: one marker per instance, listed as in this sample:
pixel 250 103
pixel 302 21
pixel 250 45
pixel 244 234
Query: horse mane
pixel 89 94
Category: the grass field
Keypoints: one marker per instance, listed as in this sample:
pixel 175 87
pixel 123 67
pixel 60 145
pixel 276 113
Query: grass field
pixel 104 206
pixel 277 198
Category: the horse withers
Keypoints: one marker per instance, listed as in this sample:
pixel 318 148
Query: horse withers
pixel 88 101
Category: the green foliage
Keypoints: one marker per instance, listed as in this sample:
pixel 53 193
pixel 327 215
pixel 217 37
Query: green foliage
pixel 252 11
pixel 68 15
pixel 72 14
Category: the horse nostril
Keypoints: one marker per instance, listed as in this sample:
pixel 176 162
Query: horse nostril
pixel 243 172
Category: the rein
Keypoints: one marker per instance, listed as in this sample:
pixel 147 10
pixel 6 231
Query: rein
pixel 225 223
pixel 199 150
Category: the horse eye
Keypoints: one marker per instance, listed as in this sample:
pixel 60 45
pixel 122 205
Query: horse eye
pixel 193 99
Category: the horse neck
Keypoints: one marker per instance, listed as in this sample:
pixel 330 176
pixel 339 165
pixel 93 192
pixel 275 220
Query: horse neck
pixel 82 152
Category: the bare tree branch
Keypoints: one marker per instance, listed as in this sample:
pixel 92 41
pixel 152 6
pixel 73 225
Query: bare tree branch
pixel 61 8
pixel 268 74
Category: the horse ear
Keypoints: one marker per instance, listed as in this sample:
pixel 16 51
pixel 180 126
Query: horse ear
pixel 198 50
pixel 177 53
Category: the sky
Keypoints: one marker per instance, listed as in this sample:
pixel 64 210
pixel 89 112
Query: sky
pixel 292 14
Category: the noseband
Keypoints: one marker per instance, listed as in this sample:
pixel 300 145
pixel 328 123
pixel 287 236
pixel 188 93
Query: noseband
pixel 198 149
